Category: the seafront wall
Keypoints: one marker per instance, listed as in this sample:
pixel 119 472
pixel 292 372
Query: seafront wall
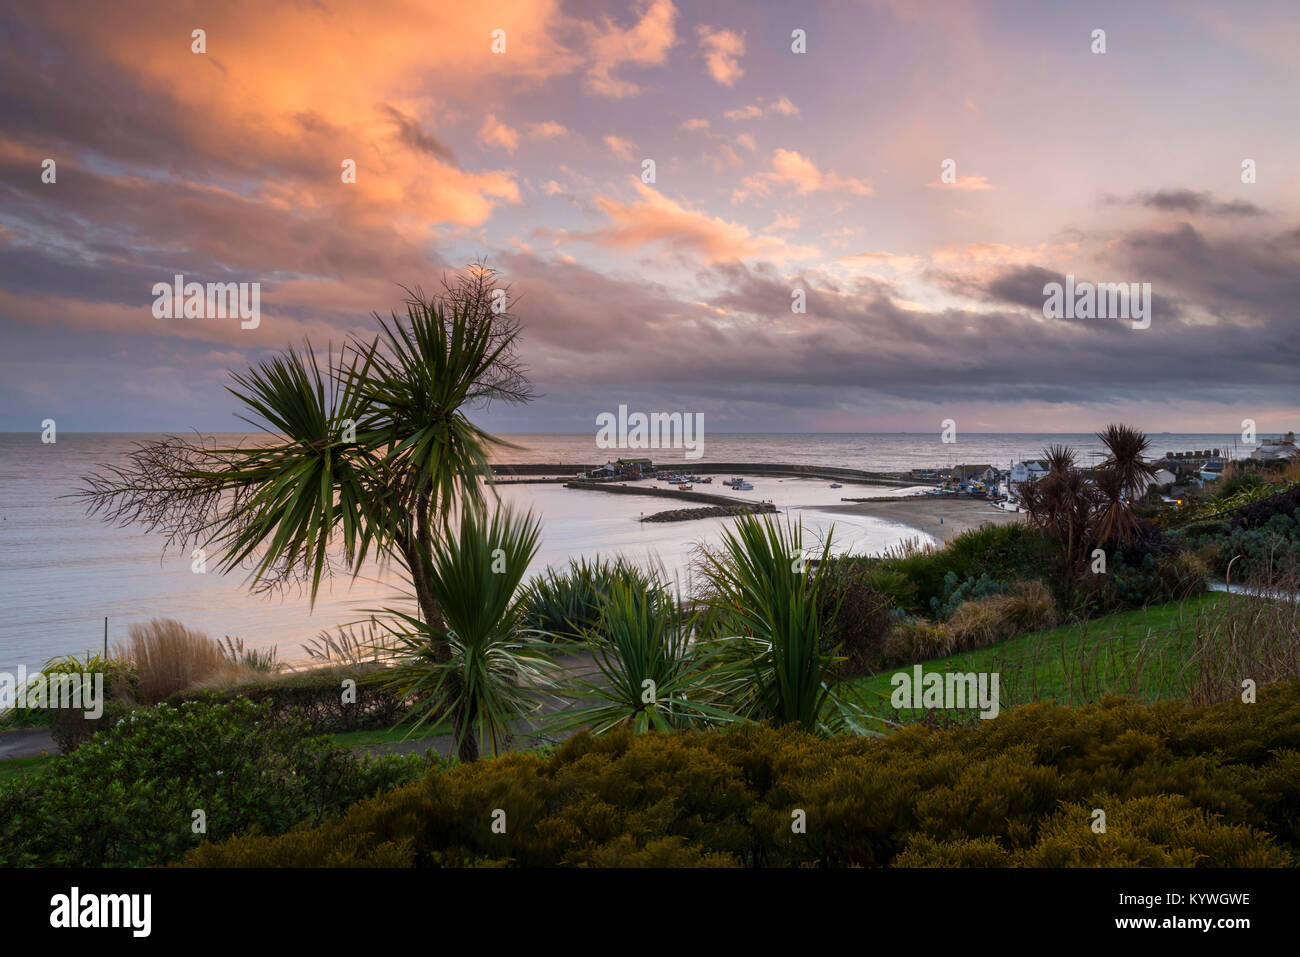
pixel 831 473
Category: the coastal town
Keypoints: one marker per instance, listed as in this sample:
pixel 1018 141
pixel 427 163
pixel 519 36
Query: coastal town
pixel 1175 475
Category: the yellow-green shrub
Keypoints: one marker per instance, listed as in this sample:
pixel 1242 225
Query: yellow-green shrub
pixel 1181 786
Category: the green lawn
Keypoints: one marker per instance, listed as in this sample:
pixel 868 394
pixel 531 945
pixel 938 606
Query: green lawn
pixel 403 732
pixel 1140 653
pixel 15 768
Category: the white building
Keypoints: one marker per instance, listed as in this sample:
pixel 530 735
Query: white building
pixel 1027 471
pixel 1270 450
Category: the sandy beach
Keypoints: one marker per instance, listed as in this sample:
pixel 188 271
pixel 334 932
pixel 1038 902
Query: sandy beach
pixel 924 513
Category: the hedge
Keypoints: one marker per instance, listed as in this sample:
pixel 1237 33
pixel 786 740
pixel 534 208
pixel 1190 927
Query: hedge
pixel 316 697
pixel 1180 787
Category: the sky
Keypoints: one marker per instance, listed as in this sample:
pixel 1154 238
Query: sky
pixel 915 175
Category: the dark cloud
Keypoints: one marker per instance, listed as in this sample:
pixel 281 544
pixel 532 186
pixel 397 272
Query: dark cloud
pixel 1192 202
pixel 411 133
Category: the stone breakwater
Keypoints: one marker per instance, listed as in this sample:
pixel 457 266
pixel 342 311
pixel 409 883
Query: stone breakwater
pixel 711 511
pixel 704 498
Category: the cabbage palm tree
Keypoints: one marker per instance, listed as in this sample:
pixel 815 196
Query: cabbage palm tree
pixel 763 587
pixel 494 670
pixel 1126 448
pixel 650 675
pixel 365 456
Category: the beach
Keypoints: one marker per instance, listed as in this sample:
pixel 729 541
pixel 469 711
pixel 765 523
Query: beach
pixel 925 511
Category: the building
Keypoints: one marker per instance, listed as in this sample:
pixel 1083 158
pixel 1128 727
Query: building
pixel 1273 450
pixel 1162 478
pixel 973 473
pixel 1027 471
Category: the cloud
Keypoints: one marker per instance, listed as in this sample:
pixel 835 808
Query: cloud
pixel 1191 202
pixel 750 111
pixel 621 147
pixel 548 130
pixel 411 133
pixel 967 184
pixel 795 171
pixel 656 219
pixel 784 107
pixel 495 133
pixel 644 44
pixel 722 52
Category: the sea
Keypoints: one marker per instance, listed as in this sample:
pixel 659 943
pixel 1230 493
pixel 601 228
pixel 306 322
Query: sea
pixel 63 573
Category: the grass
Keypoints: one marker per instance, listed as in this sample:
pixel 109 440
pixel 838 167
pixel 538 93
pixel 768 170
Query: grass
pixel 1141 653
pixel 14 769
pixel 396 735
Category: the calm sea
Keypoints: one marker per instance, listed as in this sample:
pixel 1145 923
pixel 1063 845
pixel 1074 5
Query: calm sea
pixel 62 573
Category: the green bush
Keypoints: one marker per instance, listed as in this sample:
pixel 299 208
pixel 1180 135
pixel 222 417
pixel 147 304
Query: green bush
pixel 315 697
pixel 121 688
pixel 565 605
pixel 857 615
pixel 1000 553
pixel 127 796
pixel 1135 581
pixel 957 593
pixel 1181 786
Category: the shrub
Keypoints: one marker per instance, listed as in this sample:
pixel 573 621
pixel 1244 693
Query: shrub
pixel 857 615
pixel 1181 786
pixel 121 688
pixel 1181 575
pixel 314 697
pixel 126 797
pixel 1000 553
pixel 565 605
pixel 1026 606
pixel 957 593
pixel 916 639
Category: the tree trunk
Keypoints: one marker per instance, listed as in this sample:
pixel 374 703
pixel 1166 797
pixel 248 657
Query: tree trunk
pixel 422 577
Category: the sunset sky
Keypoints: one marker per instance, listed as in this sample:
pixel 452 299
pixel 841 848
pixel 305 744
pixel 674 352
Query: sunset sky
pixel 775 171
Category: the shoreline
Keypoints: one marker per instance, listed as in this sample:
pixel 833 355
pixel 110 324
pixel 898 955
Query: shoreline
pixel 925 512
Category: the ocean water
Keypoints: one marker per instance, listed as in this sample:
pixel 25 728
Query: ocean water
pixel 62 573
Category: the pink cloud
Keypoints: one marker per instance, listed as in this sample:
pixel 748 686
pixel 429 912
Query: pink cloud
pixel 645 44
pixel 722 52
pixel 656 219
pixel 795 171
pixel 495 133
